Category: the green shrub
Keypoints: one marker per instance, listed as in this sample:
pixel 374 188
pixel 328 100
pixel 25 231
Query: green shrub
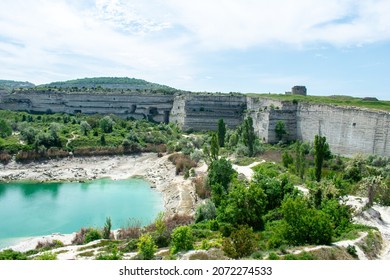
pixel 92 235
pixel 257 255
pixel 205 211
pixel 352 251
pixel 243 205
pixel 107 228
pixel 48 245
pixel 47 256
pixel 146 247
pixel 12 255
pixel 115 255
pixel 182 239
pixel 273 256
pixel 290 257
pixel 221 172
pixel 241 243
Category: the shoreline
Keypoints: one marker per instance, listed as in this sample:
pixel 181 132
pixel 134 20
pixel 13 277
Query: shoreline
pixel 178 193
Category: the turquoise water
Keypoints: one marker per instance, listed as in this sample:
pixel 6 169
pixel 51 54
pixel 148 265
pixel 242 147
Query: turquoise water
pixel 34 209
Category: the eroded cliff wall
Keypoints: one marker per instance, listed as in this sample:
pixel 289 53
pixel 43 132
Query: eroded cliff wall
pixel 153 106
pixel 202 112
pixel 347 130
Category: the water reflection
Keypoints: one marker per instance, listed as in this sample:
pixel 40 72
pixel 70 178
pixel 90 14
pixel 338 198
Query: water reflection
pixel 30 209
pixel 31 190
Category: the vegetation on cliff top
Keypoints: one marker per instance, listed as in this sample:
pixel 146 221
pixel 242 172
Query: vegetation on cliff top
pixel 9 85
pixel 339 100
pixel 109 83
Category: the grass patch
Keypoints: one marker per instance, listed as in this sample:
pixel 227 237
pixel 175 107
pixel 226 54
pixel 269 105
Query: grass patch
pixel 244 161
pixel 353 232
pixel 339 100
pixel 371 244
pixel 86 254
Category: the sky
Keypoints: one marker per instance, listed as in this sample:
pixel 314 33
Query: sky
pixel 333 47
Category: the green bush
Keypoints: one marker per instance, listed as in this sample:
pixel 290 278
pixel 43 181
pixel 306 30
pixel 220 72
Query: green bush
pixel 146 247
pixel 12 255
pixel 182 239
pixel 221 172
pixel 92 235
pixel 107 228
pixel 115 255
pixel 205 211
pixel 306 225
pixel 241 243
pixel 243 205
pixel 47 256
pixel 273 256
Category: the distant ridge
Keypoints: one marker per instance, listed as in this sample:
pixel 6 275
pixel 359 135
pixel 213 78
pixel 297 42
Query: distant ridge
pixel 109 83
pixel 9 85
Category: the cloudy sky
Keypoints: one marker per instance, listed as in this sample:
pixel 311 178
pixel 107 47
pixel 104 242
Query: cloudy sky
pixel 331 46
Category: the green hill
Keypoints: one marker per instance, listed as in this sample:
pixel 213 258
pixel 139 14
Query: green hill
pixel 109 83
pixel 10 85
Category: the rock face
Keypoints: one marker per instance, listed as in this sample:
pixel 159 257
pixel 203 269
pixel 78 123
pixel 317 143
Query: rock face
pixel 151 106
pixel 348 130
pixel 202 112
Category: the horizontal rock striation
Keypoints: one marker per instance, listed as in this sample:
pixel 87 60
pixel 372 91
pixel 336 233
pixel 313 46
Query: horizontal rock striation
pixel 348 130
pixel 202 112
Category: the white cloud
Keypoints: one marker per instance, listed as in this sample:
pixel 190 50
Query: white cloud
pixel 52 36
pixel 164 40
pixel 248 23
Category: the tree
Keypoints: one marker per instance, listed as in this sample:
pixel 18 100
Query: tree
pixel 55 128
pixel 280 130
pixel 287 159
pixel 276 190
pixel 321 149
pixel 85 127
pixel 300 163
pixel 106 124
pixel 103 140
pixel 244 205
pixel 214 149
pixel 221 133
pixel 221 172
pixel 182 239
pixel 5 129
pixel 146 247
pixel 304 225
pixel 28 134
pixel 248 135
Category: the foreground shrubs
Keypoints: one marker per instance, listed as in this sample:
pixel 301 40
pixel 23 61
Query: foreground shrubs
pixel 241 243
pixel 182 239
pixel 12 255
pixel 146 247
pixel 86 235
pixel 49 245
pixel 182 162
pixel 301 225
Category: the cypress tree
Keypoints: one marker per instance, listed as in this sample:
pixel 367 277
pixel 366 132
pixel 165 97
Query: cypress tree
pixel 321 148
pixel 221 133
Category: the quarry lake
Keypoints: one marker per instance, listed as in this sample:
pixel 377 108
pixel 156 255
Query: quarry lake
pixel 35 209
